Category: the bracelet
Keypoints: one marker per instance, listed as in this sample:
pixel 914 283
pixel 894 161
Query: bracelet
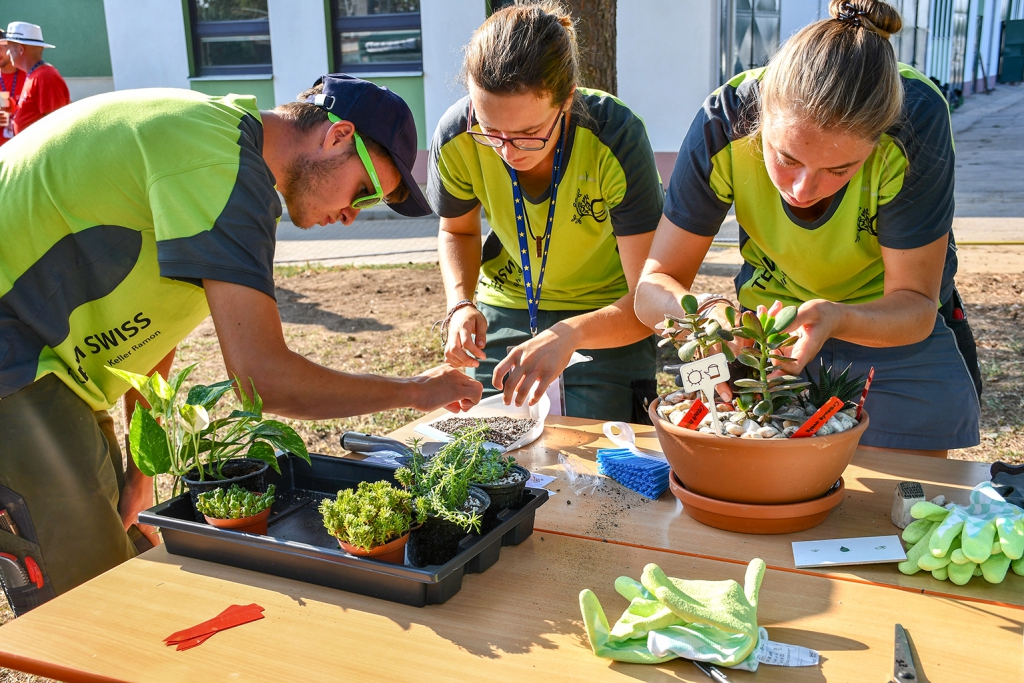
pixel 710 301
pixel 448 319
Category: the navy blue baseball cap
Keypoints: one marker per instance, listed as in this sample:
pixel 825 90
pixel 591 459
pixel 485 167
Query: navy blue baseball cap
pixel 383 116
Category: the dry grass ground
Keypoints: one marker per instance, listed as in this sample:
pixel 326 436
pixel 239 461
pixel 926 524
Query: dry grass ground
pixel 377 320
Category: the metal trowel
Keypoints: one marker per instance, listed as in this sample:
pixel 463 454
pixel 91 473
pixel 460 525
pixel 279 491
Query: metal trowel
pixel 384 451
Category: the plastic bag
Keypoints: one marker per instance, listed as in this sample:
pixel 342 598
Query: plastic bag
pixel 579 474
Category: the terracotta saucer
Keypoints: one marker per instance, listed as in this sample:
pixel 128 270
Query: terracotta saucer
pixel 757 519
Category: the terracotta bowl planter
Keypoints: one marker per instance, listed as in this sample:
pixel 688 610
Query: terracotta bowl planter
pixel 254 524
pixel 756 471
pixel 392 551
pixel 757 519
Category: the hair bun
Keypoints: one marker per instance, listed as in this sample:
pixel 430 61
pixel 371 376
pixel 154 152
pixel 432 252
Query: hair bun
pixel 876 16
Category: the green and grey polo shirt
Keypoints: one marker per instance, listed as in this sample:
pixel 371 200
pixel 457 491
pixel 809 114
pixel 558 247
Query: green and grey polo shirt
pixel 115 209
pixel 902 198
pixel 609 186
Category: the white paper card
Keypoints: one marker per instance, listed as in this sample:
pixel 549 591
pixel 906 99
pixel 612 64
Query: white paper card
pixel 539 481
pixel 780 654
pixel 836 551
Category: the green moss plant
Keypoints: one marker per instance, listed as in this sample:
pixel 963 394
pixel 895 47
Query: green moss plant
pixel 234 503
pixel 371 515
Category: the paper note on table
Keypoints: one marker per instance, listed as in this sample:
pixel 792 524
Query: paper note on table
pixel 835 551
pixel 539 481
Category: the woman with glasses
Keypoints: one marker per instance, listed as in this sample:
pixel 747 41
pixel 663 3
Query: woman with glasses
pixel 568 184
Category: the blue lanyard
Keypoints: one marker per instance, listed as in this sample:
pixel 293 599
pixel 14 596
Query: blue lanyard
pixel 533 300
pixel 14 84
pixel 36 66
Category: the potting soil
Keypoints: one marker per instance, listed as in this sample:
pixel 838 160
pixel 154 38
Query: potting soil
pixel 503 431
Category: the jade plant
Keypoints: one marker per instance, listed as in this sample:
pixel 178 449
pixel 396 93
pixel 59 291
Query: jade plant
pixel 372 515
pixel 440 485
pixel 831 384
pixel 178 435
pixel 234 503
pixel 697 335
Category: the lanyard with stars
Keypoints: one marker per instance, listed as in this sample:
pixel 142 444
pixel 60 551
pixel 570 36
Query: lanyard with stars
pixel 532 296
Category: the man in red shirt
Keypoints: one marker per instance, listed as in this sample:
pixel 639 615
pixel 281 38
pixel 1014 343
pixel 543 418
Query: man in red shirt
pixel 12 82
pixel 44 91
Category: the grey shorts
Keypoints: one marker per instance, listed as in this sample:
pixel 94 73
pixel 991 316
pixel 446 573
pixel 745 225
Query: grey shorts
pixel 922 396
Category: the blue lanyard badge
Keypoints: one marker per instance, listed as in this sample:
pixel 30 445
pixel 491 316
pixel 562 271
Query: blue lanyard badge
pixel 532 297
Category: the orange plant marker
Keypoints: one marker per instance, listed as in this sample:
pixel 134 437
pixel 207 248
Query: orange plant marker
pixel 693 416
pixel 818 420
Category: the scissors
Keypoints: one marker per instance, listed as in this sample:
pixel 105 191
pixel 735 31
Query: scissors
pixel 904 668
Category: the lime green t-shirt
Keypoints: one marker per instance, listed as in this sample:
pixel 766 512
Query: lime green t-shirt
pixel 901 198
pixel 115 208
pixel 608 187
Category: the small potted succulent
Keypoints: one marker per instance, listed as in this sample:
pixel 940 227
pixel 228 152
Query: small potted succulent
pixel 754 459
pixel 236 509
pixel 372 521
pixel 180 437
pixel 497 474
pixel 441 487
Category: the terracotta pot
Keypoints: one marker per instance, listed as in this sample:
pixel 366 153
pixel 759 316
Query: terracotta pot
pixel 757 519
pixel 254 524
pixel 756 471
pixel 392 551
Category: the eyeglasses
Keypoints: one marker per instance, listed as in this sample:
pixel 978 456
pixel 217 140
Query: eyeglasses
pixel 527 144
pixel 378 193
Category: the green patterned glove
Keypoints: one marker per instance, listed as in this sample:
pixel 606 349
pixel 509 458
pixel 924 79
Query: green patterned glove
pixel 604 644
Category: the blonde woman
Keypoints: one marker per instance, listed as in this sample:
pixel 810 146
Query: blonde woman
pixel 839 162
pixel 567 180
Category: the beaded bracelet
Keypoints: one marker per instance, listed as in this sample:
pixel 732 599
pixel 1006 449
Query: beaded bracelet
pixel 448 319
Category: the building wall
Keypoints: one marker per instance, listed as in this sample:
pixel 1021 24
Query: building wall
pixel 447 27
pixel 148 45
pixel 262 88
pixel 79 31
pixel 300 54
pixel 663 77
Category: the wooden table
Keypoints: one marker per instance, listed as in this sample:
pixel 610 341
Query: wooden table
pixel 520 619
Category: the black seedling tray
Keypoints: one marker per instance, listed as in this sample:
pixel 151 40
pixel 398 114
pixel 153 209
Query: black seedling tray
pixel 298 547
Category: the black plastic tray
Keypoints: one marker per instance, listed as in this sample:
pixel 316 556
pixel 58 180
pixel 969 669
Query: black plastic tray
pixel 298 547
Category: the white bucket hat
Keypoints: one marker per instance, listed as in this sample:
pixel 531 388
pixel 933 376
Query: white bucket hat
pixel 26 34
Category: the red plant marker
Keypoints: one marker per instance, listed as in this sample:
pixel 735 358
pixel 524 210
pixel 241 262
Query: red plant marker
pixel 35 574
pixel 864 394
pixel 818 420
pixel 235 615
pixel 693 416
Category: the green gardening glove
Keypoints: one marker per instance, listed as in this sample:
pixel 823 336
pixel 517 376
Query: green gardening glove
pixel 622 649
pixel 986 521
pixel 720 617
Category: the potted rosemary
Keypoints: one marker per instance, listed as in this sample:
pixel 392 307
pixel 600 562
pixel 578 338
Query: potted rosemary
pixel 180 437
pixel 754 459
pixel 443 494
pixel 372 521
pixel 497 474
pixel 236 509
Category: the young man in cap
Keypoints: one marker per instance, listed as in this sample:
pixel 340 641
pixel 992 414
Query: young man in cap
pixel 12 82
pixel 130 217
pixel 45 90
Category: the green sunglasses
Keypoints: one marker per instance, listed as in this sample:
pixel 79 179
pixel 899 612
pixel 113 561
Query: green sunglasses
pixel 378 194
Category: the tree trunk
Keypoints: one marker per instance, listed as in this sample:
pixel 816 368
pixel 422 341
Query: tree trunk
pixel 596 31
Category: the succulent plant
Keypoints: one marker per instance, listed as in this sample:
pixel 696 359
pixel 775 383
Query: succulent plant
pixel 763 395
pixel 440 485
pixel 371 515
pixel 234 503
pixel 830 384
pixel 700 334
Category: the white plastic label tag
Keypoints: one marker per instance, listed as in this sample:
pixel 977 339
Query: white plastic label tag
pixel 780 654
pixel 703 376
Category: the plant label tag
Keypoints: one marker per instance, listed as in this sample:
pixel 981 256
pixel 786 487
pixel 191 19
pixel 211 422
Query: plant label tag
pixel 818 420
pixel 864 394
pixel 703 376
pixel 693 416
pixel 836 551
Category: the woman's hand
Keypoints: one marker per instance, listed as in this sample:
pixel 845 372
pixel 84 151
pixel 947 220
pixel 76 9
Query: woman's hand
pixel 467 335
pixel 816 322
pixel 533 365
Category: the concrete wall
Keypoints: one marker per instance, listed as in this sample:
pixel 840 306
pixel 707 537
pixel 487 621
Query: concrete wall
pixel 795 14
pixel 447 27
pixel 667 64
pixel 148 46
pixel 300 53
